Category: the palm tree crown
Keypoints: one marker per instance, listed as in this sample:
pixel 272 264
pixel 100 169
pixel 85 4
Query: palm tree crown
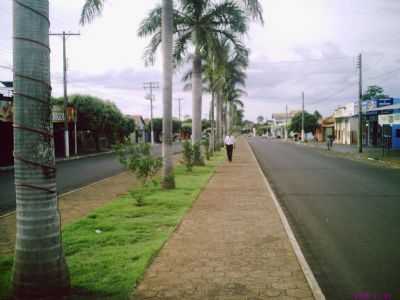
pixel 197 23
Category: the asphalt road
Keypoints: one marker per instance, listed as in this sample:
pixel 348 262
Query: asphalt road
pixel 70 175
pixel 345 215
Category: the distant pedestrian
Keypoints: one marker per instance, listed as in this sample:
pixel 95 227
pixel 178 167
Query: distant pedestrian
pixel 229 142
pixel 329 141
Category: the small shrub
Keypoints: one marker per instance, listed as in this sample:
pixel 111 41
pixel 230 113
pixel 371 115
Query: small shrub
pixel 197 157
pixel 168 182
pixel 138 197
pixel 206 145
pixel 138 159
pixel 188 155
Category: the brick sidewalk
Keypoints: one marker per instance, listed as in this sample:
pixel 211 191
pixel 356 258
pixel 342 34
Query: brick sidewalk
pixel 231 245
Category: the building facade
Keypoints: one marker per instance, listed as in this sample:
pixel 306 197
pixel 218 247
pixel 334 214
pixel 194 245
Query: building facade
pixel 346 122
pixel 280 123
pixel 382 122
pixel 326 128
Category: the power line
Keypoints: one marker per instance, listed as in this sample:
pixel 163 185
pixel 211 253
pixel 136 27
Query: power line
pixel 384 74
pixel 310 60
pixel 339 91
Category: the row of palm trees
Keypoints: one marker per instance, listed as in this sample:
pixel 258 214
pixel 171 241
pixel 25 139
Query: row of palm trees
pixel 207 33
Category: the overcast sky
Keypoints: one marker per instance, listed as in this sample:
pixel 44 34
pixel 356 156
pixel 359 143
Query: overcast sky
pixel 305 45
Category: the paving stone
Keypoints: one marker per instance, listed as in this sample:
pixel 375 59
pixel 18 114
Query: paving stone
pixel 230 246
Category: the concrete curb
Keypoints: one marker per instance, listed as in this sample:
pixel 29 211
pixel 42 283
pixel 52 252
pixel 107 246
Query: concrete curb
pixel 78 189
pixel 312 282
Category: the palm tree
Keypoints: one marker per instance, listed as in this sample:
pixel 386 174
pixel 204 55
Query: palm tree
pixel 39 269
pixel 232 63
pixel 164 13
pixel 201 24
pixel 168 181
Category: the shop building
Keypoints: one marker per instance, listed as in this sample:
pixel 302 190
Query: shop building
pixel 382 123
pixel 346 121
pixel 326 128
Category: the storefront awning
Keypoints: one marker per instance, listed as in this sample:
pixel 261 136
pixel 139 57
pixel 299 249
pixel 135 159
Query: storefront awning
pixel 387 107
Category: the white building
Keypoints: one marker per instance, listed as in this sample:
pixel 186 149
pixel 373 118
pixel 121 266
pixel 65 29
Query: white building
pixel 279 123
pixel 346 121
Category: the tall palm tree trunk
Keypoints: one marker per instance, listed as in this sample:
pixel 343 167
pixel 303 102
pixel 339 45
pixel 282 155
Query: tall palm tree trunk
pixel 197 98
pixel 223 119
pixel 168 181
pixel 219 121
pixel 228 118
pixel 39 269
pixel 212 123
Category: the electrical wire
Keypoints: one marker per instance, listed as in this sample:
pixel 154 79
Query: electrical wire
pixel 338 92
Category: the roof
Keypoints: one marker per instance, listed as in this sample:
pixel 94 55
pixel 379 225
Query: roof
pixel 282 116
pixel 327 122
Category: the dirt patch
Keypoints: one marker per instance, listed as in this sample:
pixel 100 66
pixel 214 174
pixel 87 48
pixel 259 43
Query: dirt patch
pixel 76 204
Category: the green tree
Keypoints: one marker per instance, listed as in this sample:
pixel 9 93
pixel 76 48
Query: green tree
pixel 40 270
pixel 260 119
pixel 102 118
pixel 164 19
pixel 201 24
pixel 310 122
pixel 158 128
pixel 317 115
pixel 374 92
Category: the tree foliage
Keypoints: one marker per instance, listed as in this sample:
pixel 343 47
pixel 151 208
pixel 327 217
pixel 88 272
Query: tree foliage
pixel 374 92
pixel 310 122
pixel 138 159
pixel 158 128
pixel 101 117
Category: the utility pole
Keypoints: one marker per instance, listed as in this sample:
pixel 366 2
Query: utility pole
pixel 65 80
pixel 302 119
pixel 360 116
pixel 286 123
pixel 151 85
pixel 179 106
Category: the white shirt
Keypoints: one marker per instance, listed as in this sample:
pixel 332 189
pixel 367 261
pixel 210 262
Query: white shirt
pixel 229 140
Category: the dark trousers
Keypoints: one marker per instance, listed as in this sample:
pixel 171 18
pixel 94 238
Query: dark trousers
pixel 229 151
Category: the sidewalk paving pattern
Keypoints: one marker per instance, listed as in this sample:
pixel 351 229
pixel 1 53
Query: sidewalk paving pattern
pixel 231 245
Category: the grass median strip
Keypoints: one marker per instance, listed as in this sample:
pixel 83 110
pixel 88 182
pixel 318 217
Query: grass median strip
pixel 109 250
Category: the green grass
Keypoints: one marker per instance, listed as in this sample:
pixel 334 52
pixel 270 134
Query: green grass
pixel 108 264
pixel 6 263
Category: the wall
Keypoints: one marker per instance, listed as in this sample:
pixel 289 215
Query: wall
pixel 396 136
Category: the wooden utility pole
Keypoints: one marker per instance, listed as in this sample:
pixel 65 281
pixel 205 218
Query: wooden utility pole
pixel 151 85
pixel 286 123
pixel 360 116
pixel 179 107
pixel 65 80
pixel 302 119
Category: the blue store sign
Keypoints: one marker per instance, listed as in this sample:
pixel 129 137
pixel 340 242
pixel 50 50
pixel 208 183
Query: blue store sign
pixel 384 102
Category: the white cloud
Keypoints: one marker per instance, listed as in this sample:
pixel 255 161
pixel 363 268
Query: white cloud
pixel 106 60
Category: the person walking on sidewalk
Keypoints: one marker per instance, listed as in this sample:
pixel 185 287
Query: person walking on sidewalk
pixel 229 142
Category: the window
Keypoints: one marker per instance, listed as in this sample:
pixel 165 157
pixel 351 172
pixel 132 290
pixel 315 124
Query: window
pixel 398 133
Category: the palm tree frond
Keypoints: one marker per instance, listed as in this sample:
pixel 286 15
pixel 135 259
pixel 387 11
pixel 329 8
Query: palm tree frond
pixel 90 10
